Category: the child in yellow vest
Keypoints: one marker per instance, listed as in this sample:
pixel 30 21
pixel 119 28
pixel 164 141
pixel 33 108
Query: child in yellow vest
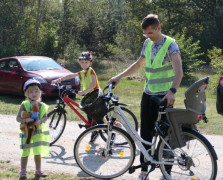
pixel 88 80
pixel 39 142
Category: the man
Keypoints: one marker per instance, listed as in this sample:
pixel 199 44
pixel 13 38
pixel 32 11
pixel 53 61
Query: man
pixel 161 57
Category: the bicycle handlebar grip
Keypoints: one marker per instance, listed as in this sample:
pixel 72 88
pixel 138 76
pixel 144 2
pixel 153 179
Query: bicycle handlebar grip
pixel 74 91
pixel 113 83
pixel 159 101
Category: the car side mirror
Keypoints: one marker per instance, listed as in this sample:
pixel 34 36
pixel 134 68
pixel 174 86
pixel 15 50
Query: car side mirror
pixel 15 68
pixel 62 65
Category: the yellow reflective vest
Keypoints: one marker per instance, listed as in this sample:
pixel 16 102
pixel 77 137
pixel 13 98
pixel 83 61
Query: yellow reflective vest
pixel 86 79
pixel 39 143
pixel 159 76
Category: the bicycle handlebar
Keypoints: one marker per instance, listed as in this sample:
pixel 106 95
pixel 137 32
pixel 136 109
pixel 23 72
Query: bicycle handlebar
pixel 159 101
pixel 65 88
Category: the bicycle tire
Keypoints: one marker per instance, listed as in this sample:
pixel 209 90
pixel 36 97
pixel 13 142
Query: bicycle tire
pixel 129 114
pixel 198 159
pixel 56 130
pixel 132 118
pixel 91 158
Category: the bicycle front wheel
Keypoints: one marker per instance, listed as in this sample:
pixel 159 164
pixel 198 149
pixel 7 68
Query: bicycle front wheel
pixel 129 114
pixel 101 162
pixel 56 123
pixel 197 159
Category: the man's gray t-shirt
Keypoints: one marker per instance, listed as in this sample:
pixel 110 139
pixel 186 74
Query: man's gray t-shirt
pixel 173 48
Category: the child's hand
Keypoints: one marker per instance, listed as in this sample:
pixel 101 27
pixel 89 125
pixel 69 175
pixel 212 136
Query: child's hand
pixel 81 93
pixel 29 120
pixel 55 81
pixel 37 123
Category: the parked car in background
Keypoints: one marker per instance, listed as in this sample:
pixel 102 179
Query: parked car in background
pixel 219 103
pixel 15 71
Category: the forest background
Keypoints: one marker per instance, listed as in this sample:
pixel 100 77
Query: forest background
pixel 111 30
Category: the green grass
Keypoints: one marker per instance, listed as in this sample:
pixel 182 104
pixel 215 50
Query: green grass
pixel 130 91
pixel 11 172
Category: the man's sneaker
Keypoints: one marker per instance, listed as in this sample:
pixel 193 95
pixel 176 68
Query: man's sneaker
pixel 94 136
pixel 142 175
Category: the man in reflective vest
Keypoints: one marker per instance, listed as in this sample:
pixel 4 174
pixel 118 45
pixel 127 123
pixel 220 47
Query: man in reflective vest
pixel 163 66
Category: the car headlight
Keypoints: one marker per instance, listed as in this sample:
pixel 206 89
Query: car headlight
pixel 41 80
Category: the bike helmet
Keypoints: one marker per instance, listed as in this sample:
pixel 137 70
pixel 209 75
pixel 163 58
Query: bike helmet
pixel 86 56
pixel 31 82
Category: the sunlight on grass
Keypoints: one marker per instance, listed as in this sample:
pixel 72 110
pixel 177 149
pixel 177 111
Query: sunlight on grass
pixel 130 92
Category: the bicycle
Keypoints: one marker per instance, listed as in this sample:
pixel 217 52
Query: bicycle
pixel 188 156
pixel 58 118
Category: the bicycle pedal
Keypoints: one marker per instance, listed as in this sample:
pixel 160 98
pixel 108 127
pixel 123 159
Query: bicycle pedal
pixel 131 169
pixel 81 125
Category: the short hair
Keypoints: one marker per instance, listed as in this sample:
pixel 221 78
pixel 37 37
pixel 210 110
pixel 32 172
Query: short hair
pixel 31 88
pixel 150 20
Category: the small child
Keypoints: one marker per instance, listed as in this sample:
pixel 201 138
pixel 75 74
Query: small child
pixel 88 79
pixel 39 143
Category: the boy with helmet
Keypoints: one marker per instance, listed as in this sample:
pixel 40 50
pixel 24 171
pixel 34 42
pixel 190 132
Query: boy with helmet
pixel 39 142
pixel 88 80
pixel 88 77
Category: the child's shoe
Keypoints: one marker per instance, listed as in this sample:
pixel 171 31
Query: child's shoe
pixel 40 173
pixel 22 174
pixel 94 136
pixel 142 175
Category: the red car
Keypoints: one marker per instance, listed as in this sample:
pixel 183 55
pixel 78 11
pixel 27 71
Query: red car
pixel 15 71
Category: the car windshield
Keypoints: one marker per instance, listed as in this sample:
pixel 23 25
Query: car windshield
pixel 35 64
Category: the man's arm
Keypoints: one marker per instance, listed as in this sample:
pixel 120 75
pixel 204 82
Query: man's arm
pixel 133 68
pixel 177 67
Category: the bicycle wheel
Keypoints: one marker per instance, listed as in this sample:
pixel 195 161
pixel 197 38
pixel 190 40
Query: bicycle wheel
pixel 131 117
pixel 92 158
pixel 197 159
pixel 56 123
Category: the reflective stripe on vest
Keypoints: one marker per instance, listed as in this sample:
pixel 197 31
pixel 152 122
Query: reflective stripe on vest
pixel 159 77
pixel 39 143
pixel 86 80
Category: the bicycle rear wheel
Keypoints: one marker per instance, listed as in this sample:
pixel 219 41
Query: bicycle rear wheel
pixel 197 159
pixel 56 123
pixel 93 159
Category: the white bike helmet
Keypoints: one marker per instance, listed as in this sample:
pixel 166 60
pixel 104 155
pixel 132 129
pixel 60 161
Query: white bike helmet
pixel 86 56
pixel 31 82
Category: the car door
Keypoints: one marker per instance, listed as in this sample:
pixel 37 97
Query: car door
pixel 11 76
pixel 2 75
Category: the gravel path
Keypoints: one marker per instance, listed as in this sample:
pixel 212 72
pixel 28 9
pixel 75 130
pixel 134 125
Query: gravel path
pixel 61 158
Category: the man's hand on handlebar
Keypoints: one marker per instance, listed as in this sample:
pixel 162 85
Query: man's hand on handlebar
pixel 170 98
pixel 115 79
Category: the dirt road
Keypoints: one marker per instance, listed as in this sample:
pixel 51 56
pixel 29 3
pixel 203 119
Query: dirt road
pixel 61 158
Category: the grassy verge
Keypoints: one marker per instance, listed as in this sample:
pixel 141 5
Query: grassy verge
pixel 10 172
pixel 129 91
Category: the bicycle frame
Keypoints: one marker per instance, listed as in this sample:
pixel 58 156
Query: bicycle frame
pixel 118 114
pixel 71 104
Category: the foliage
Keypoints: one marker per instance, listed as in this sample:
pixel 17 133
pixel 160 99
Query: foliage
pixel 190 53
pixel 216 57
pixel 109 28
